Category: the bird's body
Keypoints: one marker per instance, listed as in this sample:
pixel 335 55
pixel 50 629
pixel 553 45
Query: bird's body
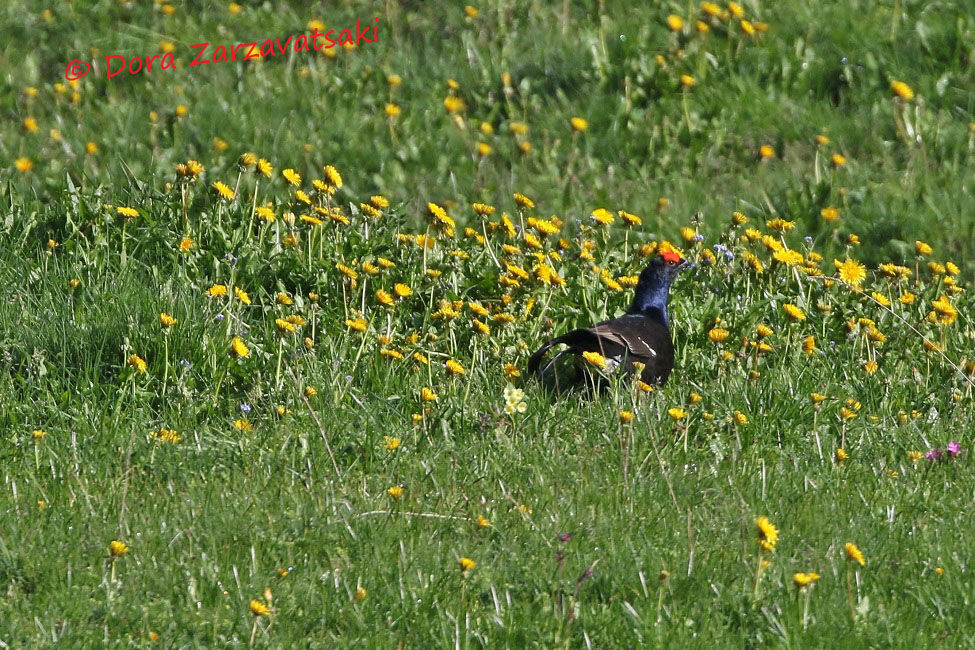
pixel 641 335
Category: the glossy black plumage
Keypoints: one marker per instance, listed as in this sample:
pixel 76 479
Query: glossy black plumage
pixel 641 335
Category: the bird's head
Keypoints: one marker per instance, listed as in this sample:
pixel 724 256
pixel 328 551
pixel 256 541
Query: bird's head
pixel 663 269
pixel 653 287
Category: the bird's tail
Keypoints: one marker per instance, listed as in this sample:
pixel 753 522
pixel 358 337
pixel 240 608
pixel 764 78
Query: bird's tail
pixel 536 359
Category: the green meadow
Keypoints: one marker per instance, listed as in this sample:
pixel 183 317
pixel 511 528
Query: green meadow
pixel 264 325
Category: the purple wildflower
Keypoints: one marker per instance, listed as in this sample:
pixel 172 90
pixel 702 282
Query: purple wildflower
pixel 954 448
pixel 933 455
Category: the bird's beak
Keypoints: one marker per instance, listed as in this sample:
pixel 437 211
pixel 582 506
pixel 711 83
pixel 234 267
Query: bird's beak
pixel 686 265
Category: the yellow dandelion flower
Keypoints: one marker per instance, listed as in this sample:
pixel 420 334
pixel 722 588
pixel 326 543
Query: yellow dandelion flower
pixel 711 9
pixel 466 564
pixel 358 324
pixel 847 414
pixel 454 368
pixel 595 359
pixel 427 395
pixel 240 348
pixel 838 160
pixel 626 417
pixel 579 124
pixel 676 413
pixel 396 491
pixel 264 167
pixel 483 209
pixel 804 579
pixel 809 345
pixel 851 271
pixel 333 176
pixel 223 190
pixel 453 104
pixel 117 548
pixel 829 214
pixel 794 312
pixel 217 291
pixel 675 23
pixel 946 312
pixel 854 554
pixel 768 534
pixel 259 609
pixel 137 362
pixel 523 201
pixel 881 298
pixel 284 326
pixel 718 335
pixel 370 211
pixel 385 298
pixel 788 257
pixel 687 81
pixel 902 90
pixel 292 177
pixel 242 295
pixel 166 320
pixel 602 216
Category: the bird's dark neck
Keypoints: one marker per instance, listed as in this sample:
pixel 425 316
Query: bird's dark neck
pixel 650 299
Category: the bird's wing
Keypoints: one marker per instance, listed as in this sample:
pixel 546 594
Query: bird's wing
pixel 593 339
pixel 585 339
pixel 628 336
pixel 631 332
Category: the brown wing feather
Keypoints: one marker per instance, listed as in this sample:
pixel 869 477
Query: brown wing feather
pixel 627 337
pixel 581 340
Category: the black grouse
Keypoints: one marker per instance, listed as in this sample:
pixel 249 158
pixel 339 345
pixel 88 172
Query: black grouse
pixel 640 335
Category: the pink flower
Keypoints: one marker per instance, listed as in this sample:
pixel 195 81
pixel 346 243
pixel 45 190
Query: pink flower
pixel 954 448
pixel 933 455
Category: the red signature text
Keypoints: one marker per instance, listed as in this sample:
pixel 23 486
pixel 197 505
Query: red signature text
pixel 116 64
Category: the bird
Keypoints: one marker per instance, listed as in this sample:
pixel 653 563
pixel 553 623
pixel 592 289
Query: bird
pixel 640 336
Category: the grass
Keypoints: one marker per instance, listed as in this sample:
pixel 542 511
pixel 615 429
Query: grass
pixel 270 476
